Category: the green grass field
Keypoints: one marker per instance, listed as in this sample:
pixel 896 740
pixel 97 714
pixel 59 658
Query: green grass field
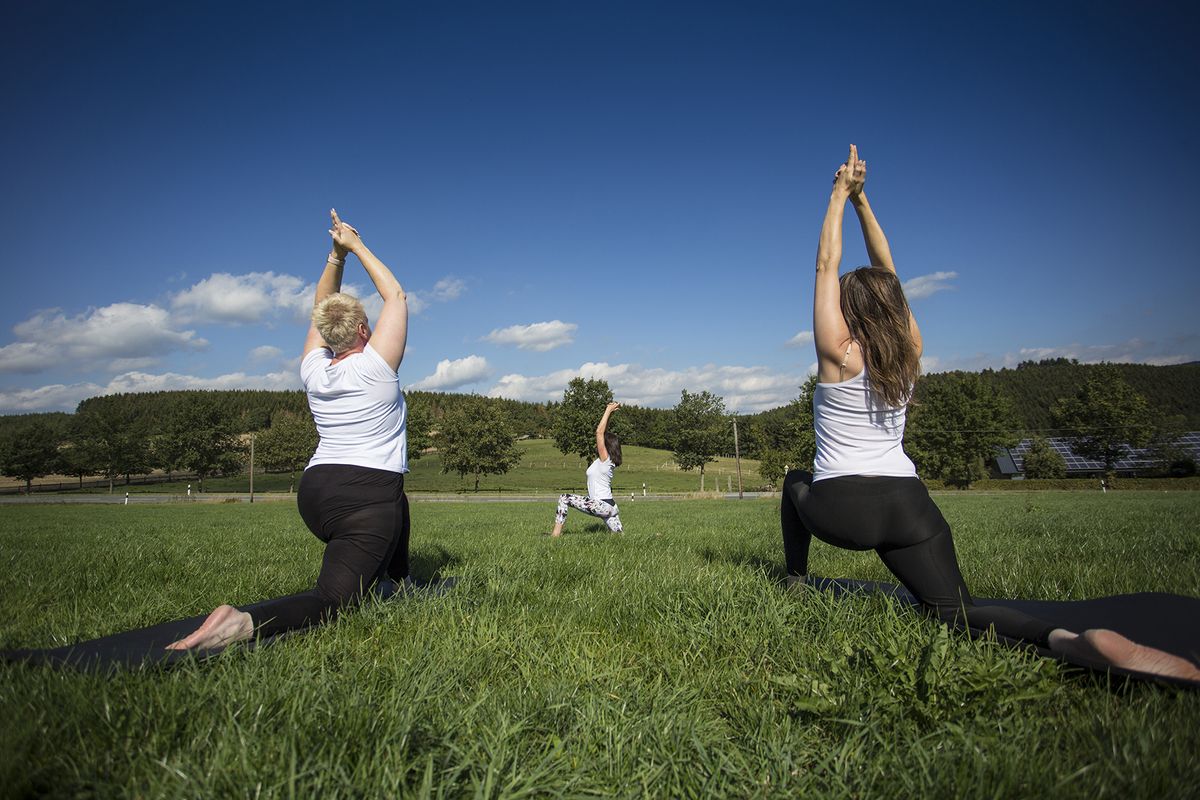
pixel 666 662
pixel 542 469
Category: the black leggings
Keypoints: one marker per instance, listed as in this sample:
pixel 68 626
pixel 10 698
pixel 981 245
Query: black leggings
pixel 362 516
pixel 897 519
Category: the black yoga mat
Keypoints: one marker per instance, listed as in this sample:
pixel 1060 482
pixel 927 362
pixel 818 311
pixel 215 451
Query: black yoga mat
pixel 1168 622
pixel 146 647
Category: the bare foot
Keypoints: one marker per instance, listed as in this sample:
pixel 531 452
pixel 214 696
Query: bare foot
pixel 1110 647
pixel 224 625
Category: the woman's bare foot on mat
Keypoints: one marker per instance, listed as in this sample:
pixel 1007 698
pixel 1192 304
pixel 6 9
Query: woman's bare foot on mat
pixel 1109 647
pixel 225 625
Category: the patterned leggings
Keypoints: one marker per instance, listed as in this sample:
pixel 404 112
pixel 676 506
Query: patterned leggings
pixel 604 509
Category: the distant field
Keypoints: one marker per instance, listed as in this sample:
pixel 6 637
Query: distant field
pixel 542 469
pixel 666 662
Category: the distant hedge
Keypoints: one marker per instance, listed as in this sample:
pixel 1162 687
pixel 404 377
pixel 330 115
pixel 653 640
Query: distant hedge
pixel 1076 485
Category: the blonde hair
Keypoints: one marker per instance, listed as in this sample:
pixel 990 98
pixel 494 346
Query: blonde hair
pixel 337 318
pixel 877 313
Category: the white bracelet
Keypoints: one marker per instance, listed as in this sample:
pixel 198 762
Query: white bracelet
pixel 337 262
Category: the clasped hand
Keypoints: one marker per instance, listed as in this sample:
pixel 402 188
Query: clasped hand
pixel 345 236
pixel 851 176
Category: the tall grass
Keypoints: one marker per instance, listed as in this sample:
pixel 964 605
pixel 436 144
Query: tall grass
pixel 666 662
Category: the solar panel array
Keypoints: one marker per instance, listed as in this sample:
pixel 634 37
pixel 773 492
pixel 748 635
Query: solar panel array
pixel 1135 459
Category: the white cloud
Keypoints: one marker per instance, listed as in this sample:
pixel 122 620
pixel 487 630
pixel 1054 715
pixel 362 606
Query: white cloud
pixel 453 374
pixel 745 389
pixel 55 397
pixel 539 336
pixel 801 339
pixel 266 352
pixel 24 357
pixel 925 285
pixel 1133 351
pixel 65 397
pixel 169 381
pixel 128 332
pixel 242 299
pixel 128 364
pixel 447 289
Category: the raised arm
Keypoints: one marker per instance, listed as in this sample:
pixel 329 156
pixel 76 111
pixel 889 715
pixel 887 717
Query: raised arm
pixel 830 331
pixel 330 283
pixel 878 250
pixel 601 450
pixel 391 329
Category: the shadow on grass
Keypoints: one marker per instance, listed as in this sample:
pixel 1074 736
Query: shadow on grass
pixel 428 562
pixel 772 568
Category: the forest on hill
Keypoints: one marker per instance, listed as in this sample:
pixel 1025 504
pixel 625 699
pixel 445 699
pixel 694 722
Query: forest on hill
pixel 1033 387
pixel 1031 390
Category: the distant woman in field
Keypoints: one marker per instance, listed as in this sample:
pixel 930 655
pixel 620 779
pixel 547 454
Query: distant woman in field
pixel 352 493
pixel 863 492
pixel 599 501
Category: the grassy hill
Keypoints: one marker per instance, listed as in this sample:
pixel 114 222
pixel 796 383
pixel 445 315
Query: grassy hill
pixel 542 470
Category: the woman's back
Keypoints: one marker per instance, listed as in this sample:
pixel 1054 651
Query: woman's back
pixel 358 408
pixel 856 433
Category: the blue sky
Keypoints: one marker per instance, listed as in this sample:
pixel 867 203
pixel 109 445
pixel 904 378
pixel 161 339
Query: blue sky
pixel 630 191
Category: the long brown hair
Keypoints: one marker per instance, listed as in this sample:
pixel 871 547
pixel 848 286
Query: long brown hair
pixel 613 445
pixel 876 311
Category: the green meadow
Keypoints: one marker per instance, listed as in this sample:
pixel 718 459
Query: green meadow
pixel 665 662
pixel 542 469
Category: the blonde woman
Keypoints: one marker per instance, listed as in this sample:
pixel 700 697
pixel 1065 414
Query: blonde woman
pixel 863 492
pixel 352 493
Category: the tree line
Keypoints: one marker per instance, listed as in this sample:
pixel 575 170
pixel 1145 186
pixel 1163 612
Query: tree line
pixel 956 422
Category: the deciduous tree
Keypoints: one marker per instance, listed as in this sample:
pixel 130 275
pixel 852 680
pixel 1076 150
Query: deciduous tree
pixel 1043 461
pixel 288 444
pixel 28 451
pixel 204 432
pixel 700 430
pixel 577 415
pixel 957 426
pixel 1105 417
pixel 418 428
pixel 112 437
pixel 476 438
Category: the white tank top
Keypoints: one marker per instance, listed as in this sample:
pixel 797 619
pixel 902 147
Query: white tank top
pixel 359 410
pixel 856 433
pixel 599 475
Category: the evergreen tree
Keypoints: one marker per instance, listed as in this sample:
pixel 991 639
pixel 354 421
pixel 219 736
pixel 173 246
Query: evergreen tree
pixel 476 438
pixel 1105 417
pixel 957 426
